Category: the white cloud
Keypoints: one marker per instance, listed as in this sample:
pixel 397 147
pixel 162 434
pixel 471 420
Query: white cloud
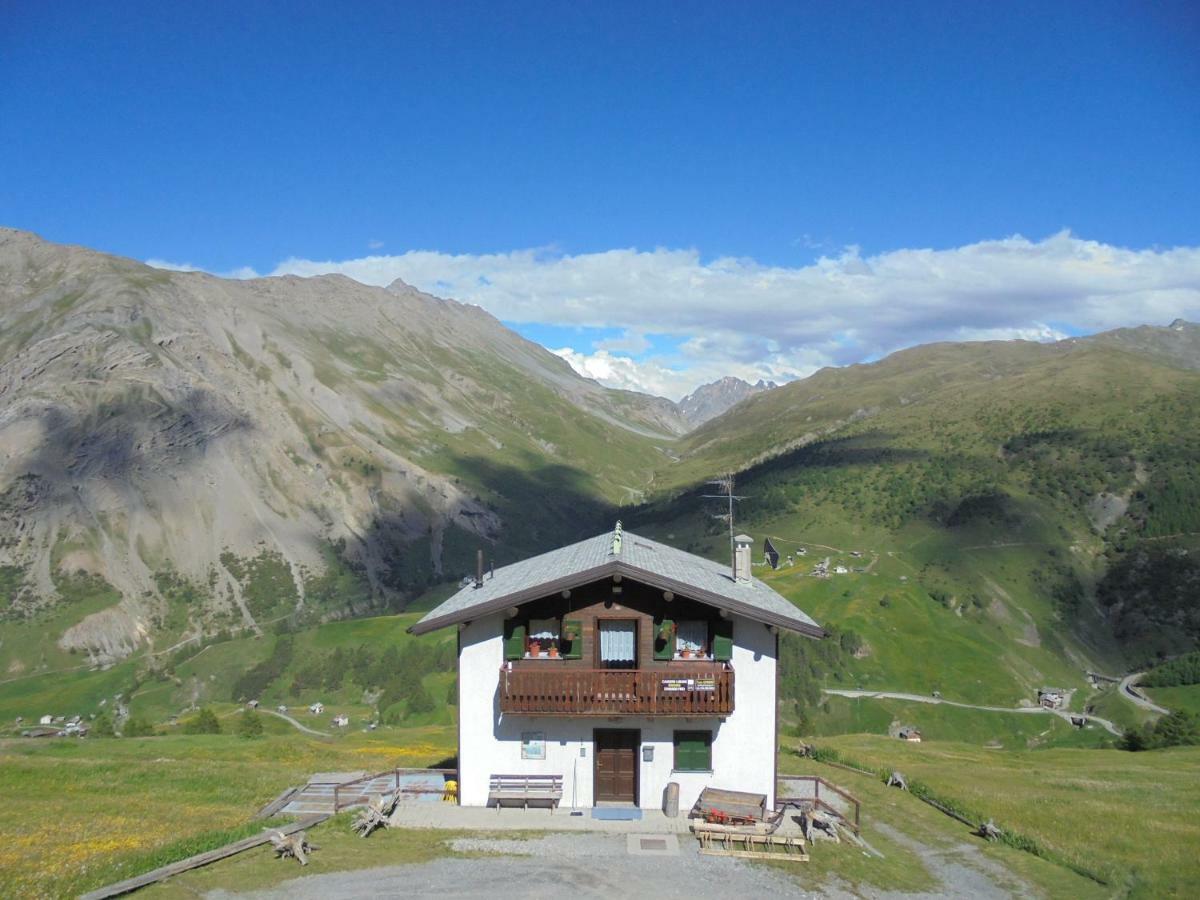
pixel 737 316
pixel 374 244
pixel 172 266
pixel 240 273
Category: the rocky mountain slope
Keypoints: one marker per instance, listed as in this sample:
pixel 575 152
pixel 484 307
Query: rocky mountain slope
pixel 715 398
pixel 1178 344
pixel 179 451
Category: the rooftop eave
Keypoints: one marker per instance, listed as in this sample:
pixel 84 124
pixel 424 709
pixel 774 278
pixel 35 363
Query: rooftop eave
pixel 610 568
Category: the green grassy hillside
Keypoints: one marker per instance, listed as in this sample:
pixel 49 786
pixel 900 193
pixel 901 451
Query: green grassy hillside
pixel 1074 805
pixel 1012 516
pixel 369 669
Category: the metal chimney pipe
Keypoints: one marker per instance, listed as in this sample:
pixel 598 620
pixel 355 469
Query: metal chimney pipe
pixel 479 568
pixel 742 558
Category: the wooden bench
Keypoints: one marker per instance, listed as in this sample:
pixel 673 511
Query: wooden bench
pixel 523 789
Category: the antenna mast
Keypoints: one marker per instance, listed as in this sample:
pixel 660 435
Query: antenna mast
pixel 725 485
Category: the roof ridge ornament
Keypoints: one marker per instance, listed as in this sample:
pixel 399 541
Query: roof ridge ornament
pixel 616 541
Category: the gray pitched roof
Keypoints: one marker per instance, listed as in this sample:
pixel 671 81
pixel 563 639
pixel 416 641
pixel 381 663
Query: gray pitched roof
pixel 630 555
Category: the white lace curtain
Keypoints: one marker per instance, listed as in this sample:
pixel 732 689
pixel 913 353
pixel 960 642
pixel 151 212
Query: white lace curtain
pixel 543 630
pixel 617 641
pixel 691 636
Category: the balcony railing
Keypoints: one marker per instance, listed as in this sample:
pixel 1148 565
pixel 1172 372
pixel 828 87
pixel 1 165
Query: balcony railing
pixel 543 691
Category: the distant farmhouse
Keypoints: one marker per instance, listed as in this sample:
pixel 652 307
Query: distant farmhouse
pixel 602 672
pixel 1052 698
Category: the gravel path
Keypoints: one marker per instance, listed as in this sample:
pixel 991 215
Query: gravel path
pixel 601 866
pixel 922 698
pixel 299 725
pixel 554 866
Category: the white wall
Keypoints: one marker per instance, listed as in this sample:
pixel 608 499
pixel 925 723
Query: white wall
pixel 743 744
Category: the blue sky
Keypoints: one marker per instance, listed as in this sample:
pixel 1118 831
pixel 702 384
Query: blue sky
pixel 272 137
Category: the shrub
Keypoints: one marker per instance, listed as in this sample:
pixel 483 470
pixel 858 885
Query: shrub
pixel 250 724
pixel 102 726
pixel 419 701
pixel 1184 670
pixel 205 722
pixel 1180 728
pixel 138 727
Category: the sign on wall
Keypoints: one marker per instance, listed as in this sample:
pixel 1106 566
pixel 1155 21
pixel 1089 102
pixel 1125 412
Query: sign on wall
pixel 533 745
pixel 680 685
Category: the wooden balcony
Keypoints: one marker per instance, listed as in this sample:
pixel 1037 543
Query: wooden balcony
pixel 549 690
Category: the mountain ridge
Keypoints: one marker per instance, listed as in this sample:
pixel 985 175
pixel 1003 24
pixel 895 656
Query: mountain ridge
pixel 717 397
pixel 182 454
pixel 163 428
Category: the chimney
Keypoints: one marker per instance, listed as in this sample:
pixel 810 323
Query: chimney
pixel 741 558
pixel 479 568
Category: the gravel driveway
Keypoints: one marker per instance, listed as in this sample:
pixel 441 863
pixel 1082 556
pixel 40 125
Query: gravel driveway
pixel 602 866
pixel 555 866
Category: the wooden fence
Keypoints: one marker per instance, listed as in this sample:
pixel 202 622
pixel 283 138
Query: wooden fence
pixel 617 692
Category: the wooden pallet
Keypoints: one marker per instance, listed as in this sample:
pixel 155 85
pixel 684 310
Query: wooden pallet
pixel 752 846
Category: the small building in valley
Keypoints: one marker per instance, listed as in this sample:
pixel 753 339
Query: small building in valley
pixel 1052 698
pixel 910 734
pixel 609 668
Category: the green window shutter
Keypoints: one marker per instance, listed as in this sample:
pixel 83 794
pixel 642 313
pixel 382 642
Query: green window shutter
pixel 572 649
pixel 514 641
pixel 664 648
pixel 723 640
pixel 693 751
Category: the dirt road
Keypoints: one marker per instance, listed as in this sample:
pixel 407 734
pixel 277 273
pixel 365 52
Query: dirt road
pixel 924 698
pixel 1133 695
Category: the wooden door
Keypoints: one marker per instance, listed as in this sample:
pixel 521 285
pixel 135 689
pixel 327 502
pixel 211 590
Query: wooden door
pixel 616 763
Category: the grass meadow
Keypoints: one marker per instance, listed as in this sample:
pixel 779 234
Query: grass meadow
pixel 1130 818
pixel 78 814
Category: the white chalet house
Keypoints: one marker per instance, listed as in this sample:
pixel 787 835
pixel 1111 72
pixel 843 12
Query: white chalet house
pixel 619 665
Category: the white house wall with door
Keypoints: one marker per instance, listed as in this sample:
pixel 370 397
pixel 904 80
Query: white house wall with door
pixel 742 744
pixel 620 665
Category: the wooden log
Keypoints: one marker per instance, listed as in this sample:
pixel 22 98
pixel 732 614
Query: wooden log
pixel 375 815
pixel 294 845
pixel 277 804
pixel 194 862
pixel 897 780
pixel 988 831
pixel 820 827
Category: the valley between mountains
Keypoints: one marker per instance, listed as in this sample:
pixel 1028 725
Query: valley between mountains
pixel 188 460
pixel 213 491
